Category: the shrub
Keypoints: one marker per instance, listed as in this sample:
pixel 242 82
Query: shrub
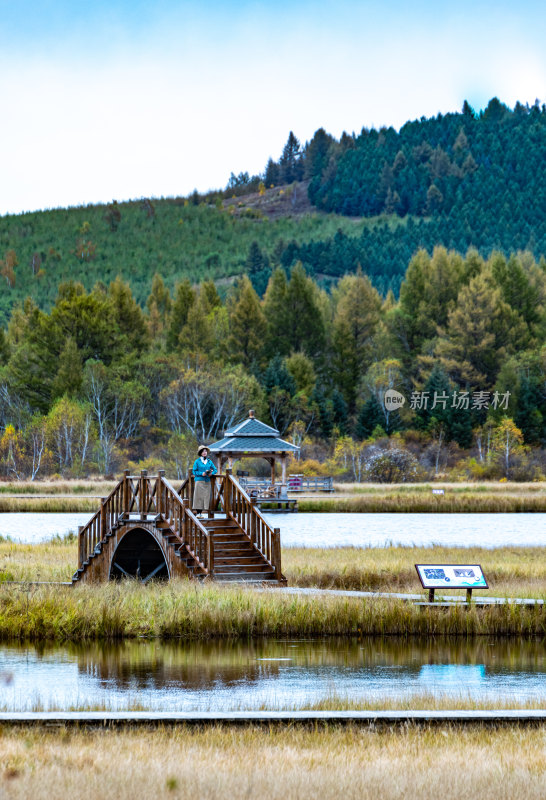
pixel 395 465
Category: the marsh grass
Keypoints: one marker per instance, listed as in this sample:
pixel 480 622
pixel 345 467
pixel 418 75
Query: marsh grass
pixel 330 702
pixel 98 487
pixel 426 503
pixel 511 571
pixel 463 487
pixel 51 505
pixel 185 610
pixel 489 497
pixel 278 763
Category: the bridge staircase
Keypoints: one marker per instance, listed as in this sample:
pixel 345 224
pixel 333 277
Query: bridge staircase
pixel 146 529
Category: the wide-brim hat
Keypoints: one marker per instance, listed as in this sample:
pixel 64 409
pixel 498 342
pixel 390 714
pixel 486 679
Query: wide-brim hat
pixel 201 448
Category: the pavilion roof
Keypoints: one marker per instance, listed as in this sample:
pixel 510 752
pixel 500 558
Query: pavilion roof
pixel 252 436
pixel 252 444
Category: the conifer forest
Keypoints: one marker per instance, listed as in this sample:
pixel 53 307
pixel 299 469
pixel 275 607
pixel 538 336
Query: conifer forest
pixel 350 271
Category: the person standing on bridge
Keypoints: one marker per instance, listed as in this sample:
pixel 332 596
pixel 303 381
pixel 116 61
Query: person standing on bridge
pixel 203 468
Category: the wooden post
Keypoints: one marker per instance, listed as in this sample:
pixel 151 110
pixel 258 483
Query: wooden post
pixel 191 487
pixel 142 493
pixel 210 554
pixel 272 462
pixel 284 488
pixel 277 553
pixel 431 595
pixel 253 519
pixel 469 595
pixel 159 492
pixel 126 501
pixel 227 492
pixel 81 546
pixel 102 518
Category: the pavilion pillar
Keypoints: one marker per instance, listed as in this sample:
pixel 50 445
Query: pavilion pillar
pixel 284 485
pixel 272 462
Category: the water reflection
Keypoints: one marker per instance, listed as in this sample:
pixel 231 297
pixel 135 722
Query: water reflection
pixel 222 675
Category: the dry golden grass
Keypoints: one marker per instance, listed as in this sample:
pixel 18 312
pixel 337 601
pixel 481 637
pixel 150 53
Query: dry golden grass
pixel 332 702
pixel 186 610
pixel 49 505
pixel 492 497
pixel 55 560
pixel 511 571
pixel 53 487
pixel 462 487
pixel 230 762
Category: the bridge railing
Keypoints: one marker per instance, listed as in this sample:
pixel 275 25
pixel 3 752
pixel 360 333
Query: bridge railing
pixel 141 497
pixel 242 508
pixel 191 532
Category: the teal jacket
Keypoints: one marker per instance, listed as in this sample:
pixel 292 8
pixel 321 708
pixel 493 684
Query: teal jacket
pixel 199 469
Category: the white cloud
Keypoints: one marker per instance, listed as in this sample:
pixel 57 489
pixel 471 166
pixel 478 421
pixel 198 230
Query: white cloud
pixel 182 108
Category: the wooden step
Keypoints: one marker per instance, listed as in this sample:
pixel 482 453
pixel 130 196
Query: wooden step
pixel 226 561
pixel 244 577
pixel 242 568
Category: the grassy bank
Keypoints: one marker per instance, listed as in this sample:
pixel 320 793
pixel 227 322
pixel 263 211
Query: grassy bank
pixel 511 571
pixel 332 702
pixel 184 610
pixel 327 762
pixel 98 487
pixel 49 505
pixel 424 502
pixel 59 496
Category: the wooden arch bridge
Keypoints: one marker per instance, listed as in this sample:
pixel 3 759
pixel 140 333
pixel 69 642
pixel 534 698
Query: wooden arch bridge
pixel 146 529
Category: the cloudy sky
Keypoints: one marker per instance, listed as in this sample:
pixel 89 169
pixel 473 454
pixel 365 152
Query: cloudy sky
pixel 132 98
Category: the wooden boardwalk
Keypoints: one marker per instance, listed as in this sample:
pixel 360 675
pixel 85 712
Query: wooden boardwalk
pixel 201 718
pixel 146 529
pixel 442 601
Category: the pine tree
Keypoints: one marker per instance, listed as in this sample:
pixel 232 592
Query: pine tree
pixel 183 302
pixel 291 161
pixel 4 347
pixel 158 305
pixel 276 315
pixel 481 331
pixel 247 326
pixel 339 412
pixel 128 315
pixel 68 379
pixel 303 315
pixel 355 322
pixel 370 417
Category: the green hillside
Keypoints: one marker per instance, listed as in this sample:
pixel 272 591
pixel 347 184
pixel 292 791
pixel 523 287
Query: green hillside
pixel 135 240
pixel 462 180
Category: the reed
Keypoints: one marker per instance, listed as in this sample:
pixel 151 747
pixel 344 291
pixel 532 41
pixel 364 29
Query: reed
pixel 462 487
pixel 330 761
pixel 49 504
pixel 511 571
pixel 424 503
pixel 185 610
pixel 98 487
pixel 330 702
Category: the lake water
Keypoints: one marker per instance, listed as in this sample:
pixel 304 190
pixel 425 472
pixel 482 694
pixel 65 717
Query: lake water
pixel 341 530
pixel 273 674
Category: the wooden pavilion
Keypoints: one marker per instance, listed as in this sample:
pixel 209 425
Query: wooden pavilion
pixel 250 439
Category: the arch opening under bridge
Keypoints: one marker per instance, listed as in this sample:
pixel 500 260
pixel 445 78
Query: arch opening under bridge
pixel 138 555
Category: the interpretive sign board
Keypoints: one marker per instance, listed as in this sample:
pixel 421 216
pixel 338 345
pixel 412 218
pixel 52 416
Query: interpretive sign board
pixel 451 576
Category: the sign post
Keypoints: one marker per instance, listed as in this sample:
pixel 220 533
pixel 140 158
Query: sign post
pixel 451 576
